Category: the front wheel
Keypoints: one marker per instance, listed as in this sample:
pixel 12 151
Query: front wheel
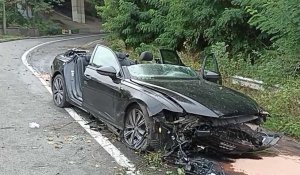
pixel 139 129
pixel 59 92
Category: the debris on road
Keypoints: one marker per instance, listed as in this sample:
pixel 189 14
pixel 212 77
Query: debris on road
pixel 34 125
pixel 186 144
pixel 9 127
pixel 71 162
pixel 180 156
pixel 56 146
pixel 50 139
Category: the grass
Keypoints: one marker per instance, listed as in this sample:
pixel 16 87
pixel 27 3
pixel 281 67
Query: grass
pixel 283 105
pixel 4 38
pixel 154 160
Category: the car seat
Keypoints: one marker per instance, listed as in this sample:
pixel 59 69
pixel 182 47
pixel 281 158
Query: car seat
pixel 146 56
pixel 123 59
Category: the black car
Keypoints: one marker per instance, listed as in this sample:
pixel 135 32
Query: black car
pixel 159 103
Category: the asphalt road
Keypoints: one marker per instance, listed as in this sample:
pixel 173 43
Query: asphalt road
pixel 61 146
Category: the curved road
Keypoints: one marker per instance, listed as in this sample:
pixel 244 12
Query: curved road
pixel 60 145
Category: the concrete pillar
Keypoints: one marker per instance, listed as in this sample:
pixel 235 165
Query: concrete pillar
pixel 78 11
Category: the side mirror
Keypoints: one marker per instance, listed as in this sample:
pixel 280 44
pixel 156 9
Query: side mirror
pixel 107 71
pixel 210 69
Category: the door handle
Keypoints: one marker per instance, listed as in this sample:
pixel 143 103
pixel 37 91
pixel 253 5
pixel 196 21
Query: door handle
pixel 88 76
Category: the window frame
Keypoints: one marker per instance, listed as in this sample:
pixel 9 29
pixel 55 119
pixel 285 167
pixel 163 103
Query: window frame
pixel 93 57
pixel 178 59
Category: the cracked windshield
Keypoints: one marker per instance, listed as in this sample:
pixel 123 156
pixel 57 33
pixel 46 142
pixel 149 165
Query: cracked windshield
pixel 162 71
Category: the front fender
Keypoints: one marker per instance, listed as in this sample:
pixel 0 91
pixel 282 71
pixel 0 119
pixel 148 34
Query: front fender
pixel 154 101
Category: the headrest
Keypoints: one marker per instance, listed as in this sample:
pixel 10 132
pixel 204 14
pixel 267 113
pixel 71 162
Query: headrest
pixel 121 55
pixel 146 56
pixel 88 57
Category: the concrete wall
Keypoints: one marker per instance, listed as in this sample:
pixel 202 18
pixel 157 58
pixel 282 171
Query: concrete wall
pixel 20 31
pixel 78 13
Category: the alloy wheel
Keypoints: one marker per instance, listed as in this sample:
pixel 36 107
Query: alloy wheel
pixel 58 90
pixel 135 131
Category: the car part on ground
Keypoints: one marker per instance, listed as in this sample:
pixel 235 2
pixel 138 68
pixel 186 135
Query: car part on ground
pixel 181 153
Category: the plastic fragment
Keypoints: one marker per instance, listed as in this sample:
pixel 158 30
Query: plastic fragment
pixel 34 125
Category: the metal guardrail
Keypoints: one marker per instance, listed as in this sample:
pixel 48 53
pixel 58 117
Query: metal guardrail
pixel 251 83
pixel 248 82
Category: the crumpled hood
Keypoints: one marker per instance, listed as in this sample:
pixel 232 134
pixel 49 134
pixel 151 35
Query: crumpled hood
pixel 193 95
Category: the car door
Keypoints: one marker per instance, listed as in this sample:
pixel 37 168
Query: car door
pixel 170 57
pixel 99 90
pixel 210 69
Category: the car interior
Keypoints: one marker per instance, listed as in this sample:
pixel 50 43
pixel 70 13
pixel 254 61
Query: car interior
pixel 83 59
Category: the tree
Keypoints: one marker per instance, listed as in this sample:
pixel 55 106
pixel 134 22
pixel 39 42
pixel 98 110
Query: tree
pixel 249 28
pixel 280 19
pixel 4 17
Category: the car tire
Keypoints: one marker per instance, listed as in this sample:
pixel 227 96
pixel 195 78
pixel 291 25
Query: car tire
pixel 59 92
pixel 139 129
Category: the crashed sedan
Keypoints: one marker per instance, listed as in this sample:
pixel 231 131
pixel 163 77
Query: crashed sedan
pixel 160 103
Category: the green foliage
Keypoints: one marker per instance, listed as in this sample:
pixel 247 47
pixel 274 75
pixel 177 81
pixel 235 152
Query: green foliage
pixel 90 5
pixel 252 29
pixel 178 24
pixel 4 38
pixel 252 38
pixel 39 8
pixel 280 19
pixel 135 23
pixel 47 27
pixel 13 17
pixel 154 159
pixel 283 105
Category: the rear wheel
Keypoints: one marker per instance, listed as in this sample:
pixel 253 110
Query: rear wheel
pixel 139 129
pixel 59 92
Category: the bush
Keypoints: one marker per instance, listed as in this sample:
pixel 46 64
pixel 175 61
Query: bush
pixel 252 38
pixel 47 27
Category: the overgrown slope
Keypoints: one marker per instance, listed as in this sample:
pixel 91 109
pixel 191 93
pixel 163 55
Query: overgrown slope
pixel 253 38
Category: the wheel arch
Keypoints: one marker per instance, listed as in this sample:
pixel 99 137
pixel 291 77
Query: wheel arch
pixel 152 140
pixel 133 103
pixel 66 102
pixel 150 108
pixel 55 74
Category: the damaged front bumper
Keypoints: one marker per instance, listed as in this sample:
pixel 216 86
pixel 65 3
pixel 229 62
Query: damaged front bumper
pixel 185 136
pixel 228 136
pixel 235 139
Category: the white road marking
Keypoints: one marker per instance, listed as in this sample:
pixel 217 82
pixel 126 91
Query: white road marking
pixel 103 141
pixel 91 43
